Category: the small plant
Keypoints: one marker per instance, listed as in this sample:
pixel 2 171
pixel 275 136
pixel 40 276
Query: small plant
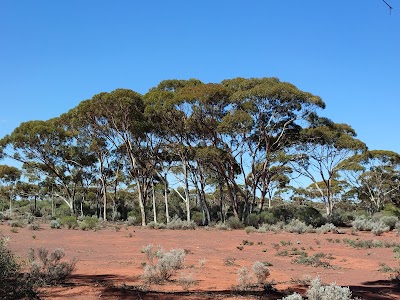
pixel 187 281
pixel 261 272
pixel 329 227
pixel 244 279
pixel 202 262
pixel 49 269
pixel 34 226
pixel 229 261
pixel 14 230
pixel 89 223
pixel 314 260
pixel 286 243
pixel 177 223
pixel 70 222
pixel 34 237
pixel 298 226
pixel 55 224
pixel 250 229
pixel 379 228
pixel 234 223
pixel 240 247
pixel 247 243
pixel 166 266
pixel 362 223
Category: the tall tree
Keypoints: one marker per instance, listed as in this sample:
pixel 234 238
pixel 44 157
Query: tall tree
pixel 321 153
pixel 9 176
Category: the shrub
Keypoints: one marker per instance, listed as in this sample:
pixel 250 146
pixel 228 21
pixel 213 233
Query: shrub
pixel 55 224
pixel 379 228
pixel 253 220
pixel 13 283
pixel 267 217
pixel 294 296
pixel 317 291
pixel 329 227
pixel 166 265
pixel 154 225
pixel 362 223
pixel 49 269
pixel 89 223
pixel 15 223
pixel 244 279
pixel 34 226
pixel 298 226
pixel 187 281
pixel 389 221
pixel 223 226
pixel 309 215
pixel 70 222
pixel 131 221
pixel 250 229
pixel 234 223
pixel 261 271
pixel 177 223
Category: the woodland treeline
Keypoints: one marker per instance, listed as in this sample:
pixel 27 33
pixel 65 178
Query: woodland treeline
pixel 197 150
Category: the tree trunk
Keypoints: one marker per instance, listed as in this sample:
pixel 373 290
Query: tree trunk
pixel 154 203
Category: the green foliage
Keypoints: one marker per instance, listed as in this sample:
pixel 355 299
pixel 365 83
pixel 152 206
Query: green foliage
pixel 177 223
pixel 162 265
pixel 48 268
pixel 234 223
pixel 69 221
pixel 13 283
pixel 89 223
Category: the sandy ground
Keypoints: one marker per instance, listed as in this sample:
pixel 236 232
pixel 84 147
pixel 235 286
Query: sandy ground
pixel 110 262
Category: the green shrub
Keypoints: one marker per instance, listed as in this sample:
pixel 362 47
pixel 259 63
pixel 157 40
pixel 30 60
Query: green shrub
pixel 318 291
pixel 250 229
pixel 177 223
pixel 162 265
pixel 69 221
pixel 154 225
pixel 55 224
pixel 267 217
pixel 13 283
pixel 389 221
pixel 379 228
pixel 329 227
pixel 298 226
pixel 16 223
pixel 49 269
pixel 253 220
pixel 362 223
pixel 309 215
pixel 234 223
pixel 89 223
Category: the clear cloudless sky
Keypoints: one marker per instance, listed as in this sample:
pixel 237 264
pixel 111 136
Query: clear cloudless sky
pixel 54 54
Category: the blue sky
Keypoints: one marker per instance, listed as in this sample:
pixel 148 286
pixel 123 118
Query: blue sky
pixel 54 54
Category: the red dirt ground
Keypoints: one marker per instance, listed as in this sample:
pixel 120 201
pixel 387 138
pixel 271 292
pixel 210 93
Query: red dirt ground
pixel 109 262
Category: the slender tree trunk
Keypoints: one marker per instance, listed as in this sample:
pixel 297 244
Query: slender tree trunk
pixel 187 202
pixel 166 199
pixel 141 203
pixel 154 204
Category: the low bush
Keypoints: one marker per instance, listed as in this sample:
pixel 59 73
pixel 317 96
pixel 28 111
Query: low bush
pixel 154 225
pixel 13 283
pixel 89 223
pixel 329 227
pixel 318 291
pixel 234 223
pixel 362 223
pixel 298 226
pixel 244 279
pixel 69 221
pixel 162 265
pixel 177 223
pixel 261 272
pixel 379 228
pixel 55 224
pixel 49 269
pixel 389 221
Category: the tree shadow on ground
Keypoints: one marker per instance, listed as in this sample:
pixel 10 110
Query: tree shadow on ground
pixel 377 290
pixel 107 288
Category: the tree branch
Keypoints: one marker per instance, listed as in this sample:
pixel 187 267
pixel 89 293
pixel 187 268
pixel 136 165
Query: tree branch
pixel 390 8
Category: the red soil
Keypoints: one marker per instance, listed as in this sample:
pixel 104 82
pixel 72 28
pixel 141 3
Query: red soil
pixel 109 262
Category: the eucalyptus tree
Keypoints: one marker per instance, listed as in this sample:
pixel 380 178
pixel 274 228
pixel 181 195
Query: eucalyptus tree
pixel 50 149
pixel 269 115
pixel 375 177
pixel 322 153
pixel 9 177
pixel 120 116
pixel 169 116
